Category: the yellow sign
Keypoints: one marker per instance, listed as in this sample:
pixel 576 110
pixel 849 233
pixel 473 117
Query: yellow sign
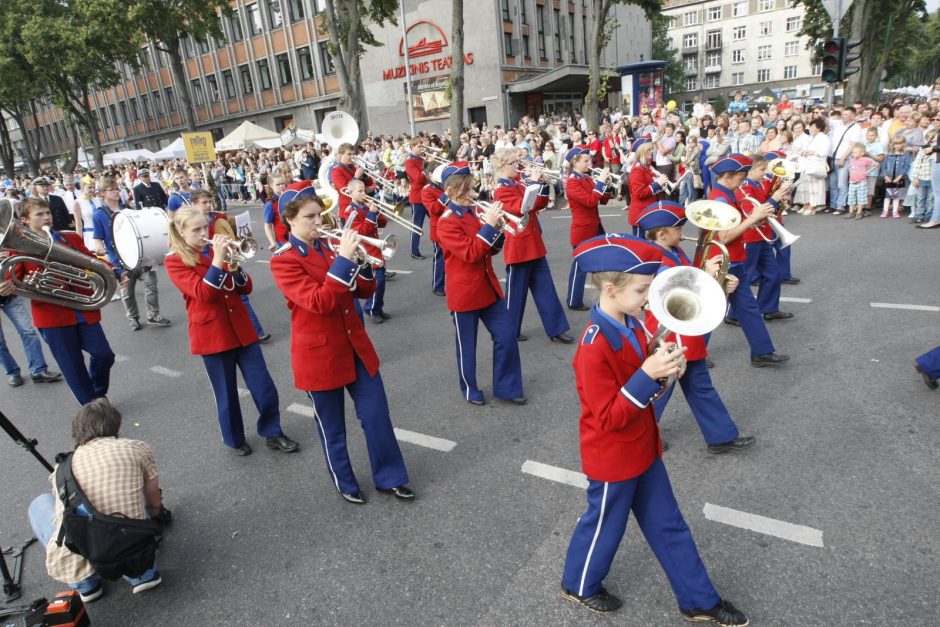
pixel 199 147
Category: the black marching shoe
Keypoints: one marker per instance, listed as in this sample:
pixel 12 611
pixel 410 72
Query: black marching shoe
pixel 602 602
pixel 264 338
pixel 723 614
pixel 769 359
pixel 15 380
pixel 736 444
pixel 283 444
pixel 479 402
pixel 440 292
pixel 577 308
pixel 522 337
pixel 418 256
pixel 402 492
pixel 377 319
pixel 732 322
pixel 564 338
pixel 242 450
pixel 384 316
pixel 791 281
pixel 930 383
pixel 390 274
pixel 46 377
pixel 357 498
pixel 519 400
pixel 778 315
pixel 709 363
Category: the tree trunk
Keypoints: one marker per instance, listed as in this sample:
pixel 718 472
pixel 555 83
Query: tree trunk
pixel 72 161
pixel 868 27
pixel 32 150
pixel 79 106
pixel 174 51
pixel 345 59
pixel 591 108
pixel 7 156
pixel 456 74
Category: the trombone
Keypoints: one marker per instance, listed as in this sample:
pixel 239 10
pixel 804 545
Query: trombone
pixel 507 222
pixel 237 250
pixel 780 232
pixel 391 212
pixel 387 246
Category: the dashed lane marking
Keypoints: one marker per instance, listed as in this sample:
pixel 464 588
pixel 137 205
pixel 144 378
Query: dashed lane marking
pixel 762 524
pixel 401 271
pixel 428 441
pixel 120 358
pixel 554 473
pixel 243 393
pixel 908 307
pixel 793 299
pixel 166 372
pixel 303 410
pixel 262 261
pixel 603 215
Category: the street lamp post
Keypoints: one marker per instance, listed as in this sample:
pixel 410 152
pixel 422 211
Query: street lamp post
pixel 404 39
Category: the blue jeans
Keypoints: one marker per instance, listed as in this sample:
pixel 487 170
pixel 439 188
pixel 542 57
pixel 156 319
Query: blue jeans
pixel 838 187
pixel 935 216
pixel 17 310
pixel 687 190
pixel 42 520
pixel 921 198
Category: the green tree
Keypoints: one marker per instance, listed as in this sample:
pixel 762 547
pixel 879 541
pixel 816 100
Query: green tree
pixel 599 35
pixel 167 23
pixel 663 50
pixel 347 22
pixel 918 60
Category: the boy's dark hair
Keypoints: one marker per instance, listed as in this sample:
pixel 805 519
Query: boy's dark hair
pixel 653 234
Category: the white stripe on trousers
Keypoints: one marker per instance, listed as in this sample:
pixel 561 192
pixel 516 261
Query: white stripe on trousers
pixel 597 532
pixel 574 279
pixel 508 285
pixel 460 356
pixel 326 444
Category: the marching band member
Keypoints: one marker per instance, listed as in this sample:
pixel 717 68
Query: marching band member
pixel 729 173
pixel 68 332
pixel 621 449
pixel 274 228
pixel 524 253
pixel 221 331
pixel 783 253
pixel 341 172
pixel 180 195
pixel 585 195
pixel 414 168
pixel 434 201
pixel 662 224
pixel 367 223
pixel 102 218
pixel 761 263
pixel 321 284
pixel 473 292
pixel 928 367
pixel 646 182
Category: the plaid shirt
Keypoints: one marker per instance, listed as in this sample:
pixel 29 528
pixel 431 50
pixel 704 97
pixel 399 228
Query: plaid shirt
pixel 922 166
pixel 112 473
pixel 745 143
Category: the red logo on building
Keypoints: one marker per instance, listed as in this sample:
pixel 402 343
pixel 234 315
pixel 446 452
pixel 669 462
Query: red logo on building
pixel 433 40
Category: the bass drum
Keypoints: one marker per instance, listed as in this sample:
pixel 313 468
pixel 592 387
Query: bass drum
pixel 140 236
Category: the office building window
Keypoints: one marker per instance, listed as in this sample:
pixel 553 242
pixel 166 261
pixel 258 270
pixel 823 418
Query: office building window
pixel 794 23
pixel 295 10
pixel 766 5
pixel 789 71
pixel 540 24
pixel 766 28
pixel 713 39
pixel 763 53
pixel 690 63
pixel 135 113
pixel 158 56
pixel 235 24
pixel 557 29
pixel 791 48
pixel 574 56
pixel 738 33
pixel 305 63
pixel 283 69
pixel 228 81
pixel 264 75
pixel 816 69
pixel 112 110
pixel 254 19
pixel 204 46
pixel 188 49
pixel 145 106
pixel 504 10
pixel 170 99
pixel 198 97
pixel 737 78
pixel 220 43
pixel 326 59
pixel 712 81
pixel 212 86
pixel 248 86
pixel 690 40
pixel 157 103
pixel 737 56
pixel 714 14
pixel 144 57
pixel 712 59
pixel 525 47
pixel 507 44
pixel 763 76
pixel 690 18
pixel 691 84
pixel 739 9
pixel 274 14
pixel 523 16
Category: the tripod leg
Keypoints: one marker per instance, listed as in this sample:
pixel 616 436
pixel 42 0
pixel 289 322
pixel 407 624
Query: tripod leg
pixel 11 589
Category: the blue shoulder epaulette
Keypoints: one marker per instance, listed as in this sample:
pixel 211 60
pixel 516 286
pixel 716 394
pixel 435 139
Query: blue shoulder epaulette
pixel 589 334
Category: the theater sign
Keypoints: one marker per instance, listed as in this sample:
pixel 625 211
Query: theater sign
pixel 428 52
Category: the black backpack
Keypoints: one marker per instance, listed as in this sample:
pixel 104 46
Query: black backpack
pixel 114 544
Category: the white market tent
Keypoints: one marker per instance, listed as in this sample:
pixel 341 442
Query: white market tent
pixel 249 135
pixel 127 156
pixel 176 150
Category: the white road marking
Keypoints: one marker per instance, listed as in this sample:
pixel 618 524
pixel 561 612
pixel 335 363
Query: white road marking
pixel 243 393
pixel 166 372
pixel 120 358
pixel 793 299
pixel 401 271
pixel 762 524
pixel 262 261
pixel 428 441
pixel 303 410
pixel 909 307
pixel 554 473
pixel 603 215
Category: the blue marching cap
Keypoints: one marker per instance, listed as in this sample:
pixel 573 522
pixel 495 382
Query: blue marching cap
pixel 662 213
pixel 618 252
pixel 640 141
pixel 300 189
pixel 775 154
pixel 457 167
pixel 735 162
pixel 574 152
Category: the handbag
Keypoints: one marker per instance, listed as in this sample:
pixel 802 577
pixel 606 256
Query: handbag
pixel 815 167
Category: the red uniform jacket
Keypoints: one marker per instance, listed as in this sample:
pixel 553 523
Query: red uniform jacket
pixel 280 230
pixel 527 245
pixel 48 315
pixel 218 320
pixel 414 168
pixel 644 191
pixel 749 193
pixel 619 435
pixel 340 176
pixel 430 198
pixel 326 333
pixel 697 346
pixel 469 279
pixel 367 224
pixel 723 194
pixel 584 198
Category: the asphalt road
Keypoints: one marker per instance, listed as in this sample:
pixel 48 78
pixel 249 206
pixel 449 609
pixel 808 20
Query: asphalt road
pixel 847 438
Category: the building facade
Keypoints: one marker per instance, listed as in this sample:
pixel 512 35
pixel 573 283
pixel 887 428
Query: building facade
pixel 726 46
pixel 273 68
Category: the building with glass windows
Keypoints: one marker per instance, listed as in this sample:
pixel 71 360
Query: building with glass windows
pixel 273 68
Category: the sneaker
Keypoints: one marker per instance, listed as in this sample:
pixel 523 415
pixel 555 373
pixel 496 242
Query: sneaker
pixel 884 214
pixel 134 324
pixel 46 376
pixel 150 584
pixel 159 321
pixel 602 602
pixel 723 614
pixel 895 215
pixel 92 595
pixel 15 380
pixel 837 212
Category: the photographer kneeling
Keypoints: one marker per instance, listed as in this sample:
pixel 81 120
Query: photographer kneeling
pixel 118 476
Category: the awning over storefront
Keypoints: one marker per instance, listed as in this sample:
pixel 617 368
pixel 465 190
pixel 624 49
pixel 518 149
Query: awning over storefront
pixel 568 78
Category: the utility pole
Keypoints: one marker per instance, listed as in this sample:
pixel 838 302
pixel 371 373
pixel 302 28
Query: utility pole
pixel 404 42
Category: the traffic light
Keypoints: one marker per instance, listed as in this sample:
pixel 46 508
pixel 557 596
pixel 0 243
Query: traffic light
pixel 832 59
pixel 847 57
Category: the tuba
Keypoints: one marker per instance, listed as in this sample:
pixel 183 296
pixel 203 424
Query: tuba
pixel 339 128
pixel 685 301
pixel 711 217
pixel 65 277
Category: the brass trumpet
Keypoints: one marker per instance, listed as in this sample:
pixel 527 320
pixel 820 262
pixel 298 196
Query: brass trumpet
pixel 615 179
pixel 550 176
pixel 507 221
pixel 237 250
pixel 388 246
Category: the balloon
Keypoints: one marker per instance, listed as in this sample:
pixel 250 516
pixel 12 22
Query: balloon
pixel 671 105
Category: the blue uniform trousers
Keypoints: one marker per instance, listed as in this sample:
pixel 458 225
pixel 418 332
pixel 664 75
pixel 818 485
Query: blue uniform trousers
pixel 375 305
pixel 930 363
pixel 68 345
pixel 252 316
pixel 744 305
pixel 221 370
pixel 576 278
pixel 710 412
pixel 507 365
pixel 761 265
pixel 783 261
pixel 437 269
pixel 419 213
pixel 600 530
pixel 536 276
pixel 371 404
